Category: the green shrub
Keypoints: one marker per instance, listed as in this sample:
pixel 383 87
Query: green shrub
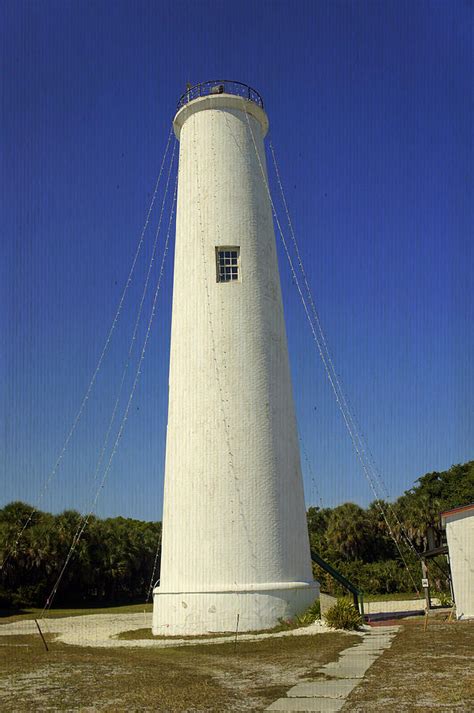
pixel 444 599
pixel 310 615
pixel 343 615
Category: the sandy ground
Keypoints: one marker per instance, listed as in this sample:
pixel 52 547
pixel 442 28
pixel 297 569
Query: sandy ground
pixel 100 630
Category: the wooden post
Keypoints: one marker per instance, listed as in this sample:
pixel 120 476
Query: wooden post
pixel 236 632
pixel 450 579
pixel 41 634
pixel 425 584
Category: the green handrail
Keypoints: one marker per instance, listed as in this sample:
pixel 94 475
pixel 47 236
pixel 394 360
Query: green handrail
pixel 356 593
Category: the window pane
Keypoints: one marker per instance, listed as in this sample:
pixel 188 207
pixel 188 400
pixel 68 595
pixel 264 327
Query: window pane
pixel 227 264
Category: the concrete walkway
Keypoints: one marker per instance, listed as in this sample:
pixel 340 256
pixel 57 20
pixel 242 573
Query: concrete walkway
pixel 340 677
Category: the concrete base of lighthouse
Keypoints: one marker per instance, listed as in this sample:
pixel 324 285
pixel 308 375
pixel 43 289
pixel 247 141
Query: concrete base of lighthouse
pixel 258 606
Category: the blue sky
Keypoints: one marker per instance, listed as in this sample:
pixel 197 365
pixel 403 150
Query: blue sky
pixel 370 107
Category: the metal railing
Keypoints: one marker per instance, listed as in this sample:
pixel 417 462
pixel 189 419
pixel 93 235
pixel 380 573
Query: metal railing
pixel 220 86
pixel 356 593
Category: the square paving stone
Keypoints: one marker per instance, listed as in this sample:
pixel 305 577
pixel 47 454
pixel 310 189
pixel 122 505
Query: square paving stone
pixel 304 705
pixel 339 688
pixel 363 650
pixel 383 632
pixel 367 647
pixel 349 668
pixel 360 656
pixel 374 646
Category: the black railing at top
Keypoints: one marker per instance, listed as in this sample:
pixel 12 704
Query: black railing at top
pixel 220 86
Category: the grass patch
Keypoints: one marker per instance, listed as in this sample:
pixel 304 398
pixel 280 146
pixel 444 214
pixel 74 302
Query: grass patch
pixel 146 633
pixel 396 597
pixel 24 640
pixel 137 634
pixel 208 677
pixel 421 671
pixel 8 616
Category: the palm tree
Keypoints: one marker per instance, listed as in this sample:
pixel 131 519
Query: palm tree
pixel 349 533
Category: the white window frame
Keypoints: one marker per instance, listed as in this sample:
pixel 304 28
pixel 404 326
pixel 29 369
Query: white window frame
pixel 221 268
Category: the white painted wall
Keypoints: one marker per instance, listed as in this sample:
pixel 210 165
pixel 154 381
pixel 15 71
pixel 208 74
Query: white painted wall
pixel 460 536
pixel 234 524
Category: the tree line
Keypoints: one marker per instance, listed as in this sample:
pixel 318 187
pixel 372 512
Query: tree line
pixel 378 548
pixel 112 563
pixel 115 557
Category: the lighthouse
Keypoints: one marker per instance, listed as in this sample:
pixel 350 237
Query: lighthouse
pixel 235 549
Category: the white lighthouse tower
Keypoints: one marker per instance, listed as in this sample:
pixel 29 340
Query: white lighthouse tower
pixel 235 540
